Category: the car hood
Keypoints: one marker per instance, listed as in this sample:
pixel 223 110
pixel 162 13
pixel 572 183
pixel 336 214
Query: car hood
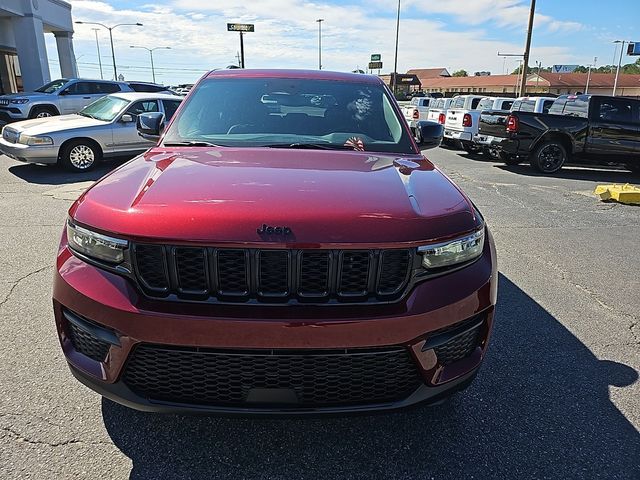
pixel 42 126
pixel 33 96
pixel 224 195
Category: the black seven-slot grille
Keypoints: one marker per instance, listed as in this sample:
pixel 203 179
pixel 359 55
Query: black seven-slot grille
pixel 239 275
pixel 320 378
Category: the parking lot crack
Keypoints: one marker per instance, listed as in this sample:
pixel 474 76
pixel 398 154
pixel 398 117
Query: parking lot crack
pixel 15 283
pixel 18 437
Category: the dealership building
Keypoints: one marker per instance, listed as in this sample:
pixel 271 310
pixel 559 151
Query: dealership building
pixel 23 55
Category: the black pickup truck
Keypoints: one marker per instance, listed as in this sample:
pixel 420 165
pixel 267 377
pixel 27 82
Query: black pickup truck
pixel 584 129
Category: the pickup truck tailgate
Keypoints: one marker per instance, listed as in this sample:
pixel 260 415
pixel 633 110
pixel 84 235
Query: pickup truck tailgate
pixel 493 123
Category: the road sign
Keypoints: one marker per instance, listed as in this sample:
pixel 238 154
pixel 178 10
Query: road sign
pixel 240 27
pixel 633 48
pixel 375 65
pixel 563 68
pixel 376 57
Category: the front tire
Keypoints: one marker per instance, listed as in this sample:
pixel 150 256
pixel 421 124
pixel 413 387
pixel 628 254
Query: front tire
pixel 549 157
pixel 42 112
pixel 80 156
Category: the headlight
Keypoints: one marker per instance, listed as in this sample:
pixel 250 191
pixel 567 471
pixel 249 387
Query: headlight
pixel 453 252
pixel 95 245
pixel 19 101
pixel 35 140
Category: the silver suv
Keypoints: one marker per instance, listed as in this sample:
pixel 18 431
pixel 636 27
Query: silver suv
pixel 59 97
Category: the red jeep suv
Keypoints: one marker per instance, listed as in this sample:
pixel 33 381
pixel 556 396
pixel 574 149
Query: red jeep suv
pixel 285 248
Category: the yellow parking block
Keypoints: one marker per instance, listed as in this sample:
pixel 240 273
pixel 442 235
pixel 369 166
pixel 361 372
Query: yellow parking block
pixel 628 194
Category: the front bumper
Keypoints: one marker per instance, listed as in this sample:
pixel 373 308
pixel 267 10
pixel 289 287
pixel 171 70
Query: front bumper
pixel 11 113
pixel 457 135
pixel 113 305
pixel 29 153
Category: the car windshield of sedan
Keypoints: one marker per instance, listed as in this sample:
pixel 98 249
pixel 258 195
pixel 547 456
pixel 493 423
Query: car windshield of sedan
pixel 290 113
pixel 105 109
pixel 52 86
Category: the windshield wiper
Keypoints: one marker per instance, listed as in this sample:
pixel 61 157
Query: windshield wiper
pixel 316 146
pixel 86 115
pixel 191 143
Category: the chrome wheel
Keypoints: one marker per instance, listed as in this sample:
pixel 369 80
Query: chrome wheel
pixel 82 157
pixel 44 114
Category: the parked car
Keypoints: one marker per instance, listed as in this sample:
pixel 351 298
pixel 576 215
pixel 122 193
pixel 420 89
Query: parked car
pixel 60 97
pixel 300 260
pixel 415 111
pixel 585 129
pixel 438 110
pixel 106 128
pixel 463 116
pixel 492 123
pixel 149 87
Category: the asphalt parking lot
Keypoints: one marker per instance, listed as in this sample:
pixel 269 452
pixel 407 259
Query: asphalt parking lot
pixel 558 396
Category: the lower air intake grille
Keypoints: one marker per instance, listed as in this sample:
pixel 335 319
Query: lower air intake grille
pixel 320 378
pixel 459 347
pixel 87 344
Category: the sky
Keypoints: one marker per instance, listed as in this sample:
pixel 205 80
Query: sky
pixel 455 34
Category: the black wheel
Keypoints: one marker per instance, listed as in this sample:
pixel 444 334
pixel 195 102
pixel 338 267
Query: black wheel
pixel 491 153
pixel 508 159
pixel 634 167
pixel 549 156
pixel 80 156
pixel 42 112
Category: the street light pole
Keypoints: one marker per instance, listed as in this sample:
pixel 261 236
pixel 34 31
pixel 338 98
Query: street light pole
pixel 395 61
pixel 527 49
pixel 615 82
pixel 98 47
pixel 320 20
pixel 113 54
pixel 591 65
pixel 150 50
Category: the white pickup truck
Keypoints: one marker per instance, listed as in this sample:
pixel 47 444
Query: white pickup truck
pixel 417 110
pixel 464 115
pixel 438 109
pixel 492 123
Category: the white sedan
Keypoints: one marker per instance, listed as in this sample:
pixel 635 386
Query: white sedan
pixel 105 128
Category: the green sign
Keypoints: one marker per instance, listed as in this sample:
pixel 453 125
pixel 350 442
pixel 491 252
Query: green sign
pixel 240 27
pixel 375 65
pixel 376 57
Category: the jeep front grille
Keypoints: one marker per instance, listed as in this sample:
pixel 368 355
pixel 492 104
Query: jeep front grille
pixel 271 276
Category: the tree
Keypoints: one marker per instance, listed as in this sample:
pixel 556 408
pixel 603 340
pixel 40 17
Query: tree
pixel 460 73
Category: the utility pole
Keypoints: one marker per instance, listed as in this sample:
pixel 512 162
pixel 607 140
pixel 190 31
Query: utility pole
pixel 527 50
pixel 592 65
pixel 320 20
pixel 98 47
pixel 615 82
pixel 395 62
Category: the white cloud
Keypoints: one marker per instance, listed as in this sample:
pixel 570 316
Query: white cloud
pixel 286 36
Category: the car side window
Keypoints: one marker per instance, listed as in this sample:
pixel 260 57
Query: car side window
pixel 617 110
pixel 79 88
pixel 106 88
pixel 170 107
pixel 474 103
pixel 546 105
pixel 144 106
pixel 506 105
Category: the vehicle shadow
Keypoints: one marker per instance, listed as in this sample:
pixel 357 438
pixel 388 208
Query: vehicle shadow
pixel 540 408
pixel 55 175
pixel 600 175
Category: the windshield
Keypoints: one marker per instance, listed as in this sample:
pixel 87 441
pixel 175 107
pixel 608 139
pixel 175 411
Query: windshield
pixel 485 104
pixel 249 112
pixel 52 86
pixel 106 108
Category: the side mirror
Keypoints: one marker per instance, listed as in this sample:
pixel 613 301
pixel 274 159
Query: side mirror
pixel 429 134
pixel 126 118
pixel 150 125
